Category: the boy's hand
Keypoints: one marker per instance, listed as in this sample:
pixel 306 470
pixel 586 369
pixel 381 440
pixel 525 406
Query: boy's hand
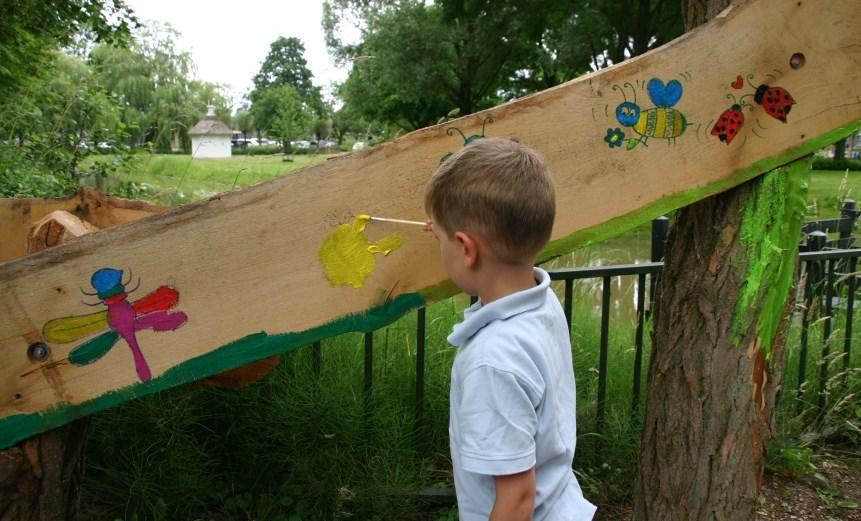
pixel 515 497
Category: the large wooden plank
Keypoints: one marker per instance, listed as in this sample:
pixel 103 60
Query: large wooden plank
pixel 245 265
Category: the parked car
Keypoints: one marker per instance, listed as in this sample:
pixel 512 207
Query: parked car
pixel 327 144
pixel 359 145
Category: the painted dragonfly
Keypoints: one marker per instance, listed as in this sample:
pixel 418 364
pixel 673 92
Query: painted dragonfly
pixel 122 319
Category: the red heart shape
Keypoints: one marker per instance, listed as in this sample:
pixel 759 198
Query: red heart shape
pixel 738 83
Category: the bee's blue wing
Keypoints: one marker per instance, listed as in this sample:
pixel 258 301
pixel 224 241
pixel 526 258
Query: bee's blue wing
pixel 664 95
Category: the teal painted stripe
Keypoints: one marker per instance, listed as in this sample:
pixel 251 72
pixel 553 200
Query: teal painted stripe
pixel 257 346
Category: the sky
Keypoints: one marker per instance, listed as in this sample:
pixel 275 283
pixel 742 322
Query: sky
pixel 228 40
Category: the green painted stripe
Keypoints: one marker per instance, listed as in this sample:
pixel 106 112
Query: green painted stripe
pixel 257 346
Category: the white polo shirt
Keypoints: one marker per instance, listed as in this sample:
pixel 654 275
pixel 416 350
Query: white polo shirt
pixel 513 404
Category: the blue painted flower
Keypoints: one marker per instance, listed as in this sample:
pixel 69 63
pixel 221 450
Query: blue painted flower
pixel 614 137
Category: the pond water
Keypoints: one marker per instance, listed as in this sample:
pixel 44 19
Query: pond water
pixel 633 247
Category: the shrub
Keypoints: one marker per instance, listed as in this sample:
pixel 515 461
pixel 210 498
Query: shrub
pixel 264 150
pixel 267 150
pixel 824 163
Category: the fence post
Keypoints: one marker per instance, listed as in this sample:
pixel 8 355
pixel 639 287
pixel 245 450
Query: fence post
pixel 660 226
pixel 848 209
pixel 602 360
pixel 316 358
pixel 815 242
pixel 848 218
pixel 659 237
pixel 368 381
pixel 421 331
pixel 850 304
pixel 826 335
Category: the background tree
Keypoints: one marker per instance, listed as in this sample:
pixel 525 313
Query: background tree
pixel 717 354
pixel 49 128
pixel 346 121
pixel 631 27
pixel 285 65
pixel 405 71
pixel 415 62
pixel 244 122
pixel 31 30
pixel 321 127
pixel 281 113
pixel 154 82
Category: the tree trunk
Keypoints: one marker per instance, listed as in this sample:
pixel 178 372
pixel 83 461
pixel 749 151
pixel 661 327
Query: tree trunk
pixel 717 344
pixel 717 356
pixel 40 478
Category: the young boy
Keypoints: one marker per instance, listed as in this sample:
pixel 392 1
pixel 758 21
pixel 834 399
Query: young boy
pixel 512 423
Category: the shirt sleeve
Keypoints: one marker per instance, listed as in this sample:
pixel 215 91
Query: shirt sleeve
pixel 498 423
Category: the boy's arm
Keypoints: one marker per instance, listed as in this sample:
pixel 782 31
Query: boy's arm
pixel 515 496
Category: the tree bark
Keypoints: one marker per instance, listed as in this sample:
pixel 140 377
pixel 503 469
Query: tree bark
pixel 717 352
pixel 40 478
pixel 711 391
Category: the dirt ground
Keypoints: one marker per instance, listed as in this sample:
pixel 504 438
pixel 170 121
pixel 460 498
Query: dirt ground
pixel 832 494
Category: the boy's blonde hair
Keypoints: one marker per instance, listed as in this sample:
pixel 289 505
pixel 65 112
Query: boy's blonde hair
pixel 500 190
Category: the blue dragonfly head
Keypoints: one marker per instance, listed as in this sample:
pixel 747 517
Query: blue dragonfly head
pixel 107 279
pixel 628 113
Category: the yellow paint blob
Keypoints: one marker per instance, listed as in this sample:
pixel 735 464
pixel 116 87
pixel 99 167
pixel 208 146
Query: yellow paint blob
pixel 347 255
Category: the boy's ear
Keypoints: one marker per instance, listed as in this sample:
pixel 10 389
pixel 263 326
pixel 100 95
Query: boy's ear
pixel 469 247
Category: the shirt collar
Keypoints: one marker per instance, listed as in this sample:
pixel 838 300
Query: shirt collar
pixel 477 316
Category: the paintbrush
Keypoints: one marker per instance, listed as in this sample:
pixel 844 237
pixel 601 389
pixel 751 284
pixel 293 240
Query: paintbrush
pixel 399 221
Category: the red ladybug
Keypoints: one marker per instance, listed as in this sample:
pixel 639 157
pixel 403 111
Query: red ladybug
pixel 729 123
pixel 776 101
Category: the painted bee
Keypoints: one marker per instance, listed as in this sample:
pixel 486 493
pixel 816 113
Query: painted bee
pixel 661 121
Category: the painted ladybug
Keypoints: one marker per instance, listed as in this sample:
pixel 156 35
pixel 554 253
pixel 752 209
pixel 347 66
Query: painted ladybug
pixel 776 101
pixel 729 124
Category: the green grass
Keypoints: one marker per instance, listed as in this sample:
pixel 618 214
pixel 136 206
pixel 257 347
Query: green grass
pixel 828 190
pixel 176 179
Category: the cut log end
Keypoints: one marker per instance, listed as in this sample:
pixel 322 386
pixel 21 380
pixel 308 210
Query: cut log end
pixel 58 227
